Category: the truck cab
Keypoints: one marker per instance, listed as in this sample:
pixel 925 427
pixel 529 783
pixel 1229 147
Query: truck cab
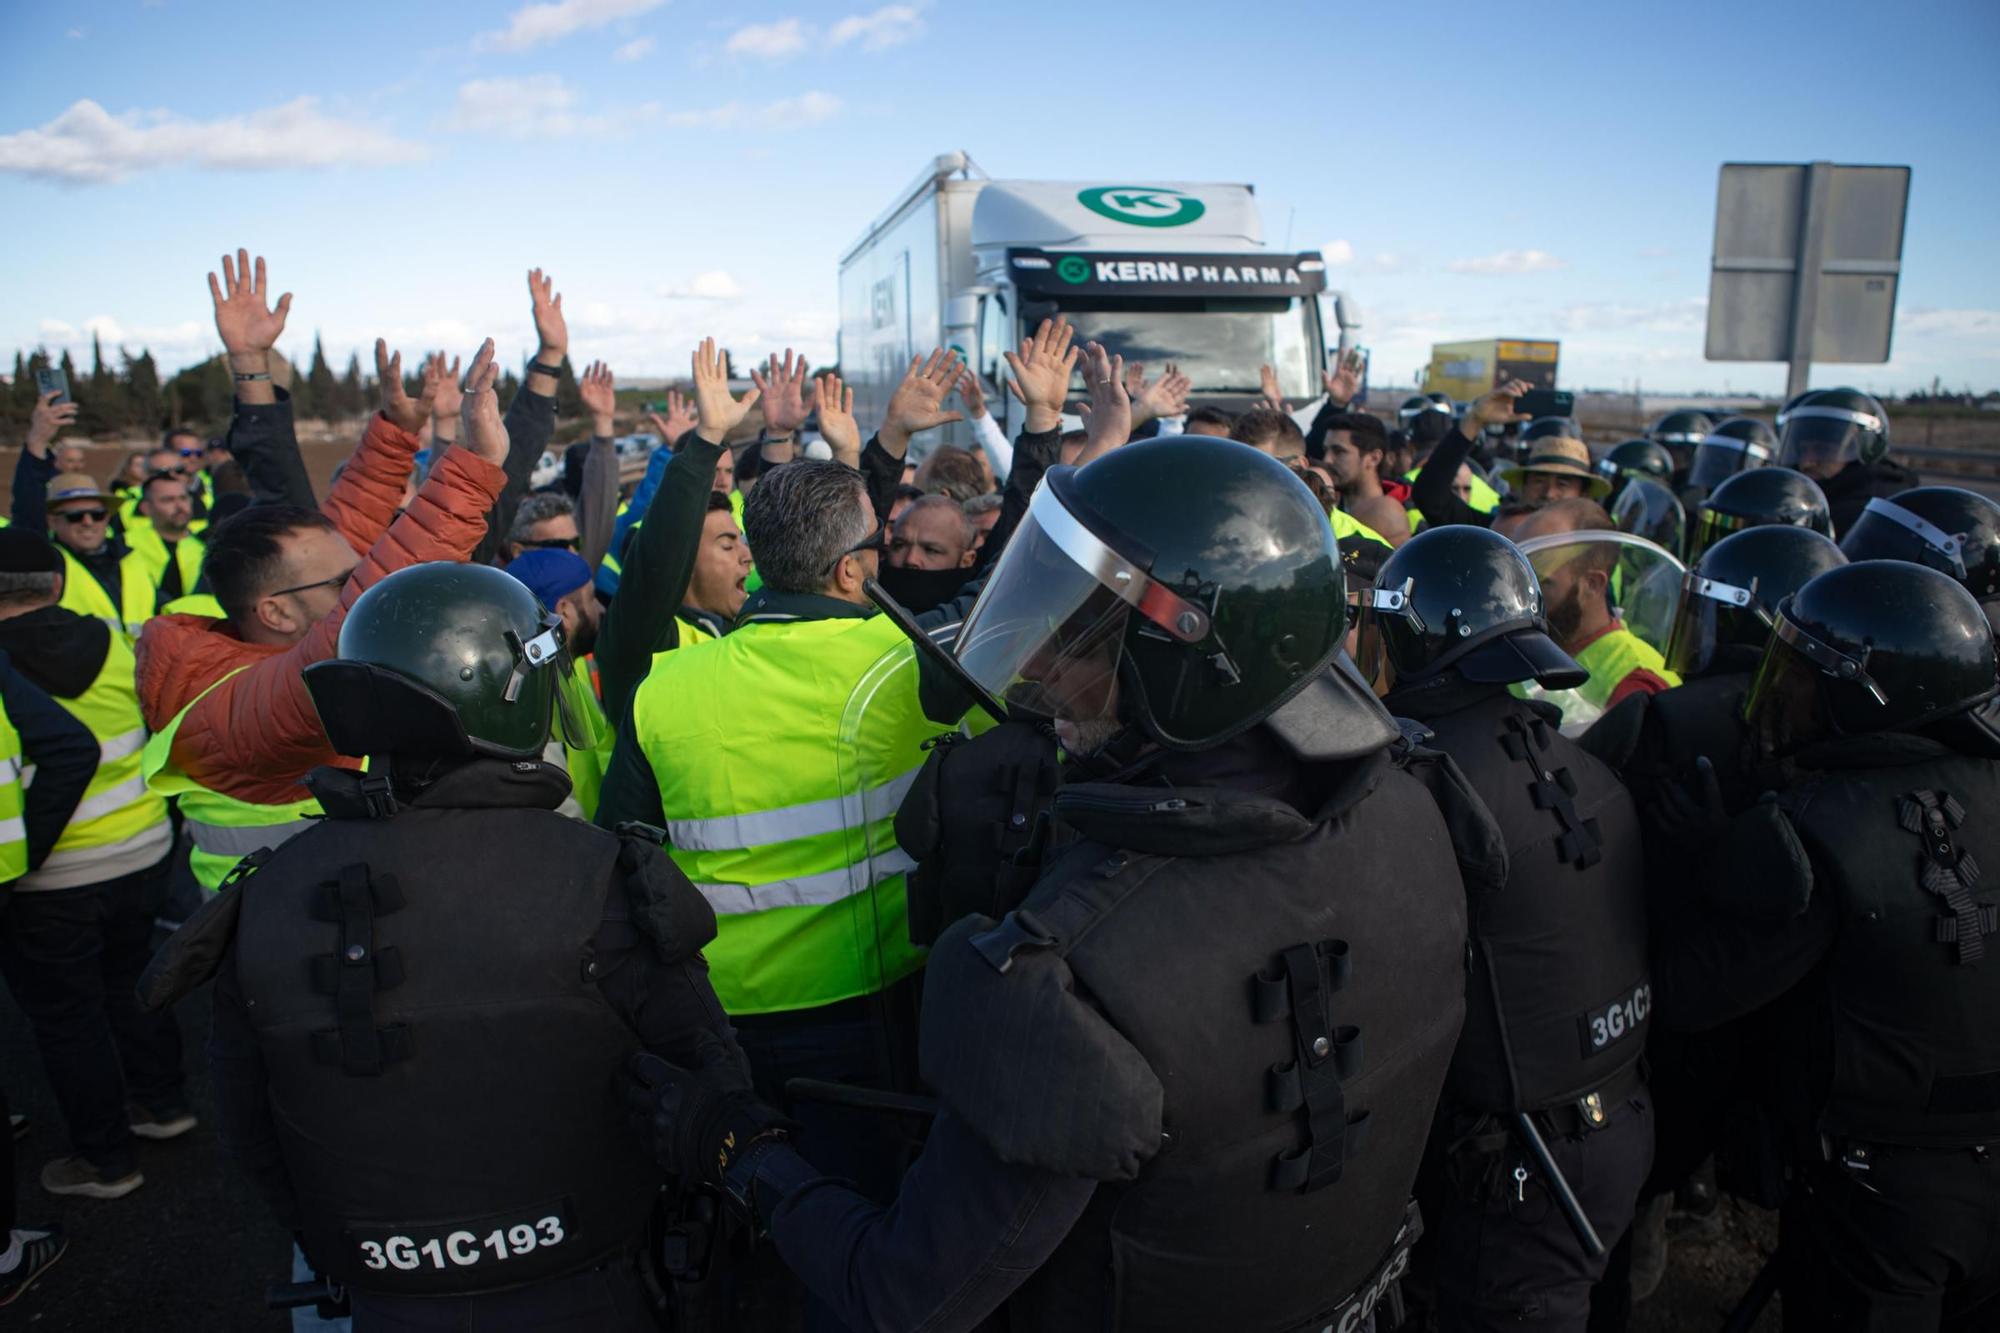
pixel 1157 272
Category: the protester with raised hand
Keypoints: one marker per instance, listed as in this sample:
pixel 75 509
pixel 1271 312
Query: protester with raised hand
pixel 651 614
pixel 234 728
pixel 1162 399
pixel 985 430
pixel 597 501
pixel 1110 421
pixel 1432 492
pixel 916 406
pixel 531 417
pixel 262 438
pixel 1343 385
pixel 833 405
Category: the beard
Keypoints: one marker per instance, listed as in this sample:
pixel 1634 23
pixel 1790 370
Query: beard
pixel 583 642
pixel 1566 616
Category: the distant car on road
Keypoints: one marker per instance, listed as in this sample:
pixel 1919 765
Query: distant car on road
pixel 636 446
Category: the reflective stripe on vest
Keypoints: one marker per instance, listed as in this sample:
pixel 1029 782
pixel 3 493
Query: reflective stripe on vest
pixel 13 828
pixel 224 828
pixel 783 817
pixel 83 594
pixel 116 806
pixel 1613 656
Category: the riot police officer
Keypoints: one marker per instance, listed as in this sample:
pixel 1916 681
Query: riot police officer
pixel 1424 418
pixel 1759 496
pixel 421 1002
pixel 1850 908
pixel 1840 438
pixel 1680 432
pixel 1557 997
pixel 1946 527
pixel 1735 445
pixel 1631 459
pixel 1184 1083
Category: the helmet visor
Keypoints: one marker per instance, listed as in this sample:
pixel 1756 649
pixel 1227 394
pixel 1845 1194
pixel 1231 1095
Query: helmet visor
pixel 1887 531
pixel 1780 708
pixel 1647 509
pixel 1720 457
pixel 1708 611
pixel 1820 441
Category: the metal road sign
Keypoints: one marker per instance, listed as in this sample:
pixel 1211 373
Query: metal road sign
pixel 1805 265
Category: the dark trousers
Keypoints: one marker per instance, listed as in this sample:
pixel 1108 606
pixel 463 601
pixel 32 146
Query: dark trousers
pixel 73 957
pixel 1910 1245
pixel 610 1297
pixel 1505 1256
pixel 7 1200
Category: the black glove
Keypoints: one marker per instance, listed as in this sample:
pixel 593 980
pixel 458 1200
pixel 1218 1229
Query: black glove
pixel 699 1121
pixel 1692 816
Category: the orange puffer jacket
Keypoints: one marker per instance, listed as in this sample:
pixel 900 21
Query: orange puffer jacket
pixel 256 735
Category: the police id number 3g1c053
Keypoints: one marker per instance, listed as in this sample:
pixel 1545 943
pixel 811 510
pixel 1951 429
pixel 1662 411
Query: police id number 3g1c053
pixel 462 1248
pixel 1613 1022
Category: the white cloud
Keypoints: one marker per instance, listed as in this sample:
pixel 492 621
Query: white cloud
pixel 1508 261
pixel 532 25
pixel 172 345
pixel 88 145
pixel 714 285
pixel 891 25
pixel 790 113
pixel 636 49
pixel 536 106
pixel 1336 253
pixel 1924 323
pixel 74 34
pixel 1387 261
pixel 768 41
pixel 1685 316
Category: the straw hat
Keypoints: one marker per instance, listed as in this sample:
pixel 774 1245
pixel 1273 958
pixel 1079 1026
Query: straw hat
pixel 1560 456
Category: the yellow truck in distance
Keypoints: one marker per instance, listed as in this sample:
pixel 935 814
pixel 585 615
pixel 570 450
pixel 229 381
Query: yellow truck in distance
pixel 1464 371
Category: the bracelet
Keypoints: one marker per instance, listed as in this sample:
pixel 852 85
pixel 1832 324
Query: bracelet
pixel 553 372
pixel 251 379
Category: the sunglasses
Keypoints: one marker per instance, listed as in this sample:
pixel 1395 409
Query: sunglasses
pixel 876 541
pixel 336 581
pixel 192 453
pixel 84 515
pixel 554 544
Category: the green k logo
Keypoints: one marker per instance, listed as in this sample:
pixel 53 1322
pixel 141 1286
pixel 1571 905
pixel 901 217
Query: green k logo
pixel 1073 268
pixel 1143 205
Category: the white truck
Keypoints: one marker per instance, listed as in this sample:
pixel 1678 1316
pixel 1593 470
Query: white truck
pixel 1162 271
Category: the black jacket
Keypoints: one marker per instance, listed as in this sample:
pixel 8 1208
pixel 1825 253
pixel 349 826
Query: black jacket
pixel 62 751
pixel 1849 490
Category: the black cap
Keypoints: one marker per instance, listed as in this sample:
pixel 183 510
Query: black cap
pixel 26 552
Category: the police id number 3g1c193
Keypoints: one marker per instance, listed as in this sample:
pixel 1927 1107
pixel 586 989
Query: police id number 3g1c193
pixel 462 1248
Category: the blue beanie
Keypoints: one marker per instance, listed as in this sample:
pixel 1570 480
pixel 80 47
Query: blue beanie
pixel 551 574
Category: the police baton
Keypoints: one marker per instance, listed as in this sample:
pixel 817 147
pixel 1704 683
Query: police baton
pixel 1552 1175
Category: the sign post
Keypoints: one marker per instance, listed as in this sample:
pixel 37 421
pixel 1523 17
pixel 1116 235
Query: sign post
pixel 1806 263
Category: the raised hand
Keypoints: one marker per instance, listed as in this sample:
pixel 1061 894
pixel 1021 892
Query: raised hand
pixel 972 395
pixel 243 320
pixel 1267 384
pixel 485 432
pixel 397 405
pixel 717 410
pixel 1495 408
pixel 448 398
pixel 784 389
pixel 49 417
pixel 1163 397
pixel 1110 421
pixel 834 402
pixel 918 403
pixel 1041 373
pixel 599 391
pixel 546 303
pixel 1135 378
pixel 678 421
pixel 1344 381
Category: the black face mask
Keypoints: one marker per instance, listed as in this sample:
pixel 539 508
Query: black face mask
pixel 920 590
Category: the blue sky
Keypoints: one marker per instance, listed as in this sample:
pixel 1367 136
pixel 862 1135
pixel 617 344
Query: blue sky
pixel 1473 171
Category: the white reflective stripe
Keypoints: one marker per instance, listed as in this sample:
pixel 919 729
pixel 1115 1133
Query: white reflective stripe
pixel 761 828
pixel 1865 420
pixel 122 747
pixel 108 802
pixel 1927 532
pixel 227 840
pixel 805 891
pixel 10 768
pixel 13 830
pixel 1730 442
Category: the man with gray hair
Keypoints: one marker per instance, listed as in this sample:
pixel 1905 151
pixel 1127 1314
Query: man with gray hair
pixel 545 521
pixel 781 811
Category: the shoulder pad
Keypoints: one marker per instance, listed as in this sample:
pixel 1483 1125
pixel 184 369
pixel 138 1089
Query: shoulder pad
pixel 1476 839
pixel 669 909
pixel 1414 734
pixel 1041 1076
pixel 1768 875
pixel 193 953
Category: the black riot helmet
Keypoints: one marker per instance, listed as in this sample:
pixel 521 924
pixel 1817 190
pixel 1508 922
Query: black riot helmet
pixel 1642 457
pixel 443 660
pixel 1544 427
pixel 1425 418
pixel 1187 588
pixel 1680 431
pixel 1729 599
pixel 1736 445
pixel 1946 527
pixel 1825 430
pixel 1645 507
pixel 1763 495
pixel 1878 645
pixel 1464 598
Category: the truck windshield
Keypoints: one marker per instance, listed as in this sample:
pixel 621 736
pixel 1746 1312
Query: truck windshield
pixel 1217 344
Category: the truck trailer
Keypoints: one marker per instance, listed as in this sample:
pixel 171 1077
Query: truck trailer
pixel 1464 371
pixel 1158 272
